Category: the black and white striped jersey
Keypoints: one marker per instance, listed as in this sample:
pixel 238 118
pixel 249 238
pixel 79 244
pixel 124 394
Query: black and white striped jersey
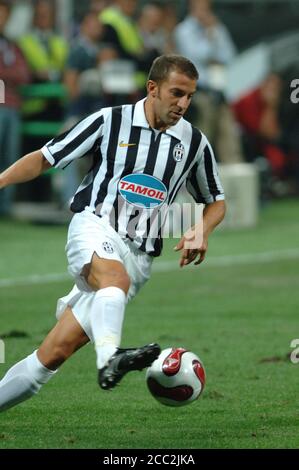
pixel 136 171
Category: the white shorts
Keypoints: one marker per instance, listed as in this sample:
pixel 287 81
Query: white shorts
pixel 89 234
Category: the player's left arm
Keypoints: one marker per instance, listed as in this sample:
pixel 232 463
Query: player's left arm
pixel 194 243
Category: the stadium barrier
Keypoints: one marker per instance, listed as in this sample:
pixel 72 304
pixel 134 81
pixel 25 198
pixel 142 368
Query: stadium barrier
pixel 44 91
pixel 242 190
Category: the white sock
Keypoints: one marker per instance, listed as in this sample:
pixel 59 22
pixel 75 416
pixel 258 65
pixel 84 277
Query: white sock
pixel 107 314
pixel 23 380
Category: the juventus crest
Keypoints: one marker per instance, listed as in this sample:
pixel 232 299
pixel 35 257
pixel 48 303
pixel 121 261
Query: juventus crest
pixel 108 247
pixel 178 152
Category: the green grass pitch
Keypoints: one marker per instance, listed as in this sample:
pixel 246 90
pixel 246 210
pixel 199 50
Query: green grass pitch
pixel 239 317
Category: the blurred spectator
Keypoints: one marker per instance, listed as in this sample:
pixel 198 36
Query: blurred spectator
pixel 207 43
pixel 83 82
pixel 13 72
pixel 204 39
pixel 97 6
pixel 122 33
pixel 264 133
pixel 81 77
pixel 151 27
pixel 170 23
pixel 19 19
pixel 46 53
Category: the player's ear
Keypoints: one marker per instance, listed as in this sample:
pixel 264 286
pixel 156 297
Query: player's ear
pixel 152 88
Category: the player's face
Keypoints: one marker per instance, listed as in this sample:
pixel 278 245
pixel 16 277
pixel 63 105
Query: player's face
pixel 171 98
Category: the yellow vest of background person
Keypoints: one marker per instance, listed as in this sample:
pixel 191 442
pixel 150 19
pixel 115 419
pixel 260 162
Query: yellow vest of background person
pixel 39 58
pixel 128 36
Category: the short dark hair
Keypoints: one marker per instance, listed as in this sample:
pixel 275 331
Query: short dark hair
pixel 164 64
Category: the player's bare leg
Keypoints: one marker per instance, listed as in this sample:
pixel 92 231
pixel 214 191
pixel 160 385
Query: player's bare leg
pixel 102 273
pixel 64 339
pixel 111 282
pixel 25 378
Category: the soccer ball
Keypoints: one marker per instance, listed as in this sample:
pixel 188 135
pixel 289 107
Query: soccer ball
pixel 176 378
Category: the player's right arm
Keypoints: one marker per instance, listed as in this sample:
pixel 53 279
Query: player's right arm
pixel 26 169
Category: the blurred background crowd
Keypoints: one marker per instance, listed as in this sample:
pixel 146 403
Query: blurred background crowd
pixel 62 60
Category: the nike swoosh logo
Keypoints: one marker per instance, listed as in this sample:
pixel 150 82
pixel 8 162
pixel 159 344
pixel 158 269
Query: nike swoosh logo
pixel 122 144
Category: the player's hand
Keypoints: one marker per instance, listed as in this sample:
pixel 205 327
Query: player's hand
pixel 193 246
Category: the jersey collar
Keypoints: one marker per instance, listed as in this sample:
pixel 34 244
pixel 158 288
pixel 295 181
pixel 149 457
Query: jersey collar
pixel 139 120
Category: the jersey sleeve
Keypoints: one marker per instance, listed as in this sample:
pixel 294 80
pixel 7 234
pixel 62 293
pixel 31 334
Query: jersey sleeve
pixel 203 182
pixel 76 142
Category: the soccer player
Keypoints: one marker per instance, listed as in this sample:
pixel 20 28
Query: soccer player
pixel 142 155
